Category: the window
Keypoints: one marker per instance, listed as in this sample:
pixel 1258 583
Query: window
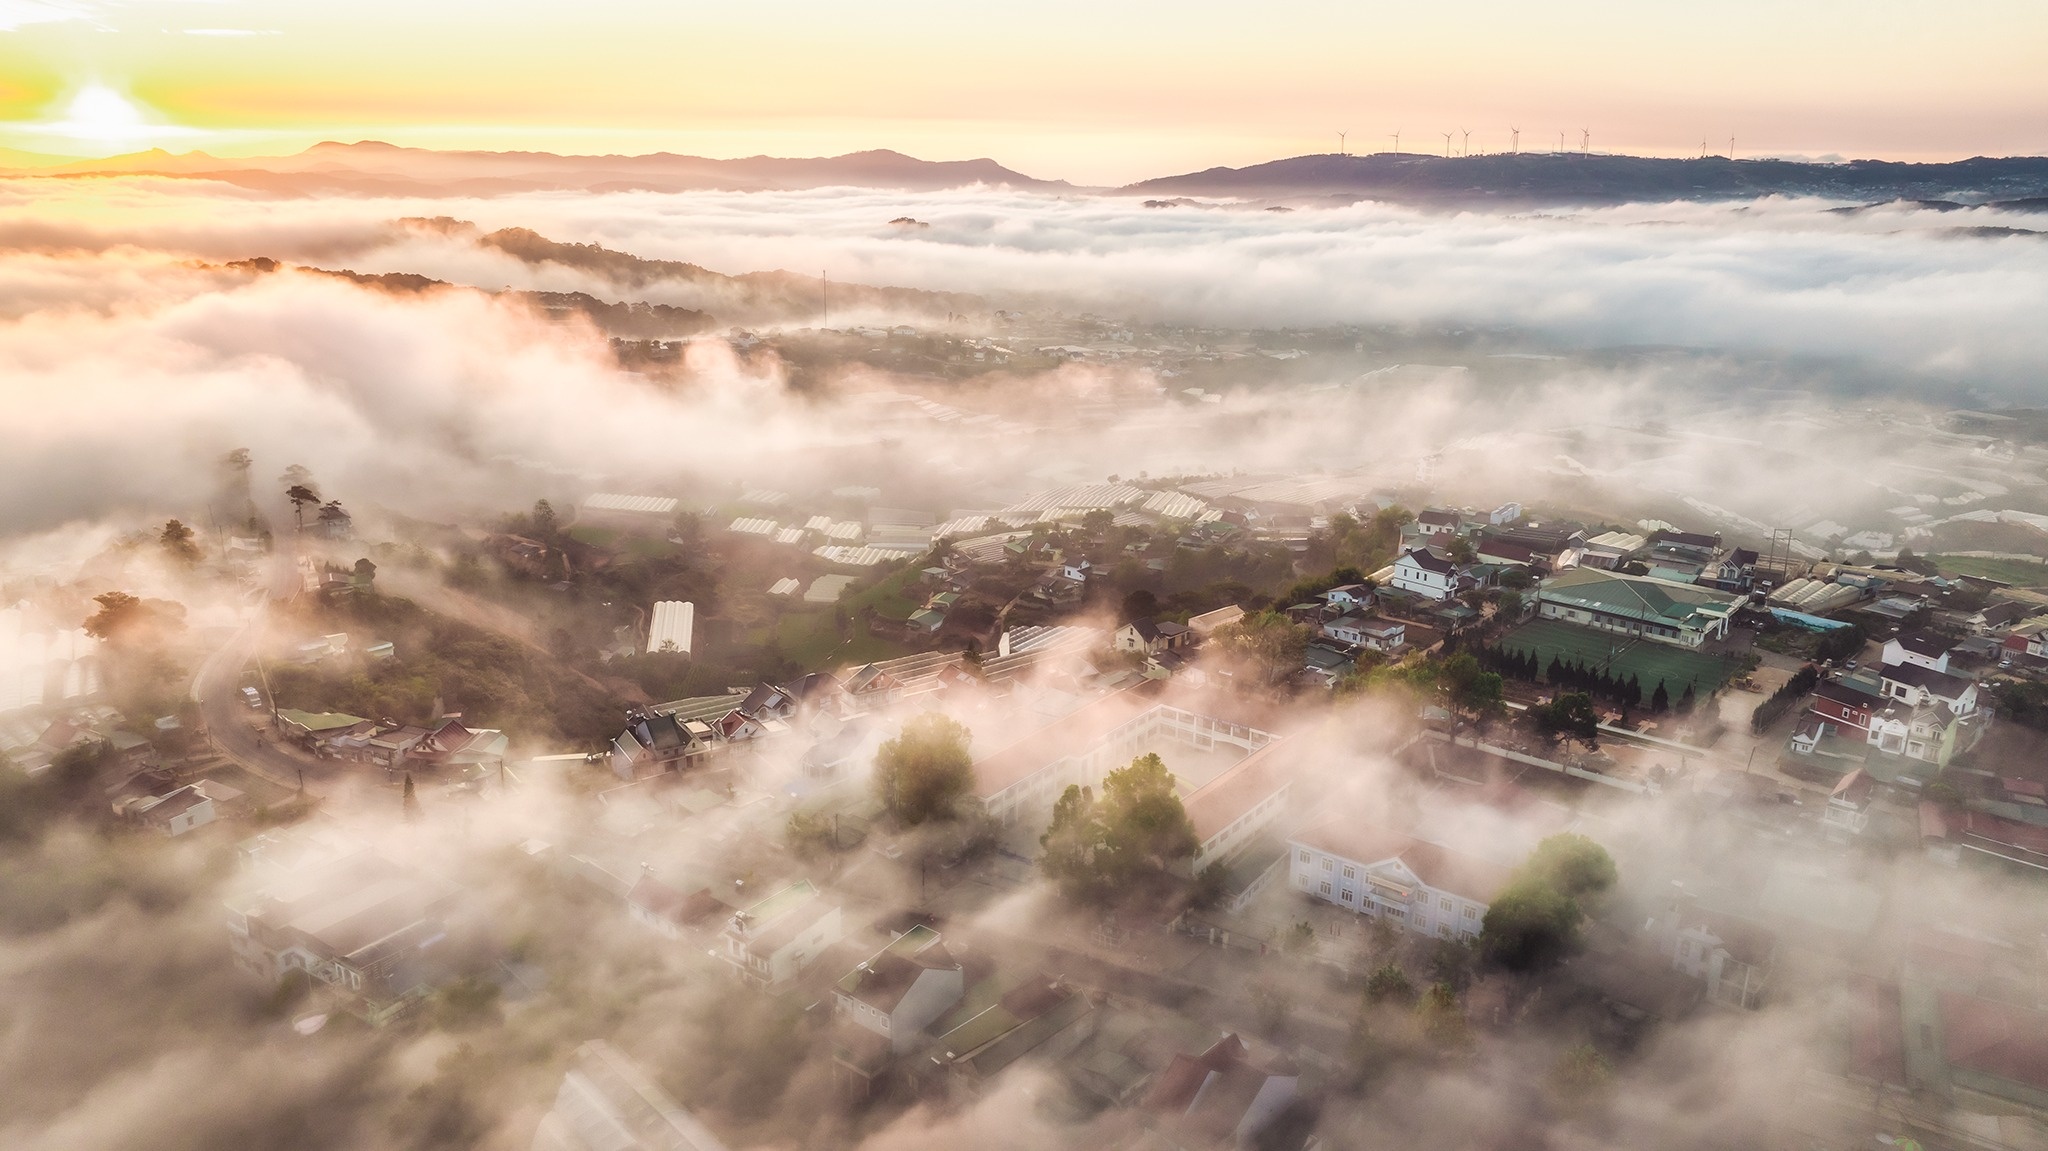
pixel 1444 903
pixel 1326 889
pixel 1351 873
pixel 1471 912
pixel 1329 865
pixel 1304 856
pixel 1347 895
pixel 1444 929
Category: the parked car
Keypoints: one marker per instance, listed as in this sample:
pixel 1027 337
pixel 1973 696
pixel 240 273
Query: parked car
pixel 252 697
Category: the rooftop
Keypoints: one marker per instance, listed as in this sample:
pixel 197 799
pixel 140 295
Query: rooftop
pixel 1637 597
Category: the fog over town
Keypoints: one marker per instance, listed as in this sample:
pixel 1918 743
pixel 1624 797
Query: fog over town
pixel 852 664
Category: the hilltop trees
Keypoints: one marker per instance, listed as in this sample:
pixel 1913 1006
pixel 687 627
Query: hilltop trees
pixel 925 769
pixel 177 541
pixel 1130 839
pixel 1535 921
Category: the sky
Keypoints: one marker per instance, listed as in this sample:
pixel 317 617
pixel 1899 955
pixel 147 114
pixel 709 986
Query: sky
pixel 1091 92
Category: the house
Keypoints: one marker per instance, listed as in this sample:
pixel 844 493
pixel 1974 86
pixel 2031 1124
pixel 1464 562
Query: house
pixel 650 743
pixel 1931 732
pixel 1348 597
pixel 1919 648
pixel 1914 684
pixel 669 912
pixel 608 1103
pixel 1731 955
pixel 1383 635
pixel 1382 873
pixel 1506 513
pixel 1205 624
pixel 176 812
pixel 1221 1097
pixel 314 730
pixel 1674 613
pixel 901 989
pixel 870 686
pixel 1232 811
pixel 772 941
pixel 1043 1018
pixel 1347 629
pixel 1076 570
pixel 1438 522
pixel 1506 553
pixel 925 621
pixel 1848 810
pixel 1426 572
pixel 1847 704
pixel 453 744
pixel 1145 636
pixel 368 929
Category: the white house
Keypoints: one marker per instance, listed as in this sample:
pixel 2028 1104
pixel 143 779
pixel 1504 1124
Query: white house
pixel 1426 572
pixel 1506 513
pixel 1848 810
pixel 1076 570
pixel 1915 684
pixel 1347 629
pixel 902 989
pixel 1425 887
pixel 1919 649
pixel 177 812
pixel 1348 597
pixel 1383 634
pixel 1149 638
pixel 774 940
pixel 1731 956
pixel 1438 522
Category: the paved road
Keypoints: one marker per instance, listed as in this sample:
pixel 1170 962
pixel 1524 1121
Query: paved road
pixel 217 689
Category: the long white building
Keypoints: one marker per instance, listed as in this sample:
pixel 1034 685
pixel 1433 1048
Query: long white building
pixel 1382 873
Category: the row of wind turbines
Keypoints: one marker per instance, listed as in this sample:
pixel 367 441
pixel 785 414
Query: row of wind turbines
pixel 1514 143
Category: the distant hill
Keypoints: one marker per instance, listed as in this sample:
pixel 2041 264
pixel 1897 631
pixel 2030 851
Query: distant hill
pixel 372 168
pixel 1532 178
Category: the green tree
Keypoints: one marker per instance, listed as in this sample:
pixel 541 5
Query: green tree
pixel 1388 983
pixel 301 495
pixel 545 523
pixel 1534 922
pixel 1441 1018
pixel 177 541
pixel 1570 714
pixel 922 773
pixel 365 573
pixel 1123 843
pixel 119 617
pixel 1268 645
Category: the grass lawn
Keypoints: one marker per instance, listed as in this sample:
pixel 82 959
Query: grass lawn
pixel 1648 661
pixel 812 640
pixel 2019 573
pixel 893 598
pixel 623 543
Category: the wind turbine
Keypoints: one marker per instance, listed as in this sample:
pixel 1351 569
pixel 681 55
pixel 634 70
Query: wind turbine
pixel 1447 145
pixel 1560 143
pixel 1340 141
pixel 1516 134
pixel 1468 140
pixel 1585 141
pixel 1397 141
pixel 1731 149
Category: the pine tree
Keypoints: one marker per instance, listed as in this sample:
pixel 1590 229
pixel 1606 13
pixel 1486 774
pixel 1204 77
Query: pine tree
pixel 1634 693
pixel 1660 702
pixel 1686 701
pixel 1556 672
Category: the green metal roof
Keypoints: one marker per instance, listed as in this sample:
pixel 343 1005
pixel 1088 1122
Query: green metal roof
pixel 1637 597
pixel 319 720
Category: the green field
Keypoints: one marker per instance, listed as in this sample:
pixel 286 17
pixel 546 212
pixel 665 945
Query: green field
pixel 2019 573
pixel 1648 661
pixel 813 641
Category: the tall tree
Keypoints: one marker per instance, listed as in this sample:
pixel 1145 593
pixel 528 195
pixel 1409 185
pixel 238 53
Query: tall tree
pixel 544 520
pixel 177 541
pixel 1268 645
pixel 925 770
pixel 301 495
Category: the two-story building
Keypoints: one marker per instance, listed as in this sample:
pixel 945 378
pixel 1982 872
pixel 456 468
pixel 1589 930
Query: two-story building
pixel 1915 684
pixel 1385 874
pixel 774 940
pixel 1426 572
pixel 1145 637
